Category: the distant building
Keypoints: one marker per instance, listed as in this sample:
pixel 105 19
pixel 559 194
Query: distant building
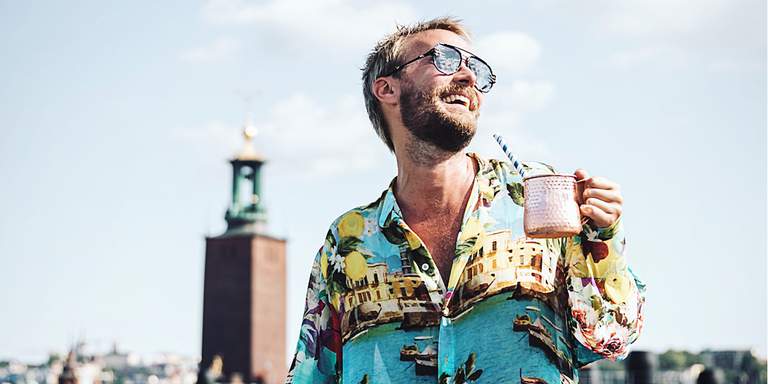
pixel 68 372
pixel 244 285
pixel 80 369
pixel 119 361
pixel 739 366
pixel 729 360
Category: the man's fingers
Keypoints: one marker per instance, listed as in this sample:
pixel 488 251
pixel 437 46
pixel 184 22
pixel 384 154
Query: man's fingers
pixel 611 196
pixel 581 174
pixel 602 183
pixel 610 208
pixel 598 216
pixel 602 198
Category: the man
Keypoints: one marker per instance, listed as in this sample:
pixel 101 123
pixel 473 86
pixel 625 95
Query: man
pixel 435 282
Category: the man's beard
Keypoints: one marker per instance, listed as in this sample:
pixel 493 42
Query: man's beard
pixel 423 118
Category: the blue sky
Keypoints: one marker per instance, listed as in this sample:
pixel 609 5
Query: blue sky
pixel 117 120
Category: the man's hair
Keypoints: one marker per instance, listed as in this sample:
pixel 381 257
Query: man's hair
pixel 386 55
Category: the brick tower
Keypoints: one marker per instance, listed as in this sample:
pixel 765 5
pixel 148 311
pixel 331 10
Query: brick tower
pixel 244 287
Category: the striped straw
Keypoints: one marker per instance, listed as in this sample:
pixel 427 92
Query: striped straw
pixel 510 155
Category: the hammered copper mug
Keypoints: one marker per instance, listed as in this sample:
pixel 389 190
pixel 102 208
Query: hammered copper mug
pixel 551 208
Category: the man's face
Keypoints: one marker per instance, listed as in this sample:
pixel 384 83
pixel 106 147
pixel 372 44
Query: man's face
pixel 436 108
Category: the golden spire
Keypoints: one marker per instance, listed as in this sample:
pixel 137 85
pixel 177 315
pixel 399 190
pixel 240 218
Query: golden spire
pixel 249 133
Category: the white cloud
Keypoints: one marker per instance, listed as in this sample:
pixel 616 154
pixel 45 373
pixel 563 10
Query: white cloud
pixel 525 96
pixel 729 65
pixel 219 135
pixel 307 137
pixel 513 52
pixel 221 49
pixel 504 113
pixel 525 146
pixel 635 57
pixel 319 138
pixel 677 32
pixel 661 17
pixel 324 139
pixel 342 22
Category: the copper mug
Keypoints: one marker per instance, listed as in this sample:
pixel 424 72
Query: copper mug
pixel 551 208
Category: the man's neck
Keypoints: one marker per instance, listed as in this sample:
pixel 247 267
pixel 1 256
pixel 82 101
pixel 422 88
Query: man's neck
pixel 428 188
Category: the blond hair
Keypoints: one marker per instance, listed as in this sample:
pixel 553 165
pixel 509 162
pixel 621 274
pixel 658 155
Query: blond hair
pixel 386 55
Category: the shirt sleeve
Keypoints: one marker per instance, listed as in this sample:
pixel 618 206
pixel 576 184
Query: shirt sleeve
pixel 318 352
pixel 605 298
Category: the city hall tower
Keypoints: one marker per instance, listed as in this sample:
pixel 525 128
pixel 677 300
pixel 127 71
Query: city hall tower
pixel 244 287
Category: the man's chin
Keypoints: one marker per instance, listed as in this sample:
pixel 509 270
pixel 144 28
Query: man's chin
pixel 459 115
pixel 456 139
pixel 465 125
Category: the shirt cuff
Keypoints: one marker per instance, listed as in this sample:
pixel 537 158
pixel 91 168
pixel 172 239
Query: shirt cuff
pixel 594 233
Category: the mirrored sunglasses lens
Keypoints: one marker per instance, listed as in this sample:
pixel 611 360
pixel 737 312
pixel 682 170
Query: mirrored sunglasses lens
pixel 447 59
pixel 483 73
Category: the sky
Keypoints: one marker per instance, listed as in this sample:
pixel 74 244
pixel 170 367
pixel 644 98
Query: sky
pixel 117 120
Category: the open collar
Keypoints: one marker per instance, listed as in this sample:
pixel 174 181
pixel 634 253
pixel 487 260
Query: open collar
pixel 485 177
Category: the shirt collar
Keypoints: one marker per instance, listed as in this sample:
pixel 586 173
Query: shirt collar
pixel 389 210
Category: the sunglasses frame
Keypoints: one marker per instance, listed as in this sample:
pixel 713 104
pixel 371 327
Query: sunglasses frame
pixel 462 60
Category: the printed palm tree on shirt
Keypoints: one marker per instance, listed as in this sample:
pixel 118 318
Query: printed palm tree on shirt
pixel 464 374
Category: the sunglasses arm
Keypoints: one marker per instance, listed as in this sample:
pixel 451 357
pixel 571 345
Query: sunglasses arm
pixel 401 66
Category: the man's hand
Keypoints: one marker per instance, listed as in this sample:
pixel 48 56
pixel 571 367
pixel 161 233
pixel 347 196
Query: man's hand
pixel 602 199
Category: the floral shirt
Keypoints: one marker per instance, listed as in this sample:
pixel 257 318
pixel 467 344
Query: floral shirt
pixel 515 308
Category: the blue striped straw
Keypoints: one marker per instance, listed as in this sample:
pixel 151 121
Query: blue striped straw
pixel 510 155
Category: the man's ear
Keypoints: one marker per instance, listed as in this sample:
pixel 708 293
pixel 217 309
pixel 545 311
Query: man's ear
pixel 387 90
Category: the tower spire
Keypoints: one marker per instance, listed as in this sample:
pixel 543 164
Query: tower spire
pixel 247 152
pixel 246 213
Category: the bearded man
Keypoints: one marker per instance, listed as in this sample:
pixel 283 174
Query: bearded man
pixel 435 281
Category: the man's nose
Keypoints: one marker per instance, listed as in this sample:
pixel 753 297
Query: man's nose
pixel 465 76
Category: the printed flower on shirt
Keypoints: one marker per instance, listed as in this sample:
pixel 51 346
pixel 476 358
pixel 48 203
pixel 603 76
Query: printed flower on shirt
pixel 337 262
pixel 610 339
pixel 584 314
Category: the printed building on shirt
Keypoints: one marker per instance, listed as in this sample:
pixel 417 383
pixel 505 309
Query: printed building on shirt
pixel 505 264
pixel 500 265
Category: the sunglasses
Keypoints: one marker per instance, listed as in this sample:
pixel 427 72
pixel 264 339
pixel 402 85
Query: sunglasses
pixel 448 59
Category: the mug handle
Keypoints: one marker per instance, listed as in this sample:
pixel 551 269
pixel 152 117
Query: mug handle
pixel 580 197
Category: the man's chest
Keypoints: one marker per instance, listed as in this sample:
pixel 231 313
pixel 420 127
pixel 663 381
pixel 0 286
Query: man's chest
pixel 439 238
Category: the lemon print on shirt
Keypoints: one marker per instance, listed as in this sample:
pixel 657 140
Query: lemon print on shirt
pixel 351 225
pixel 355 266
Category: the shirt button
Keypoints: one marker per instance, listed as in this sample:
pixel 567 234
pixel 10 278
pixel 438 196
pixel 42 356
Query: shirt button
pixel 424 267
